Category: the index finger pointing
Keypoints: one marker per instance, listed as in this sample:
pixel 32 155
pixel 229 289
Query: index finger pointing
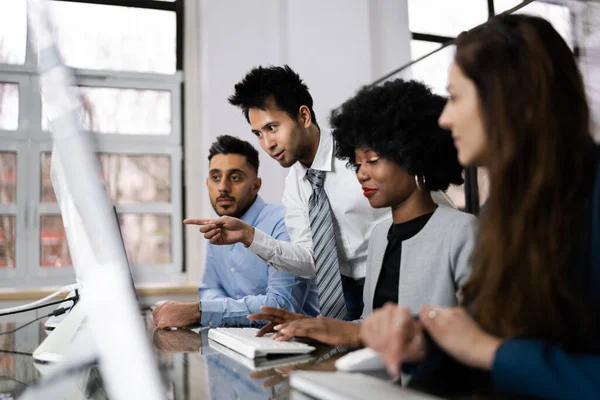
pixel 197 221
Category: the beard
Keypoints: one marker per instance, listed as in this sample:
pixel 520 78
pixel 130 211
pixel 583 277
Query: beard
pixel 236 210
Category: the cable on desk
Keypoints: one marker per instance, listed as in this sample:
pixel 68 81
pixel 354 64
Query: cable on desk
pixel 54 313
pixel 64 289
pixel 53 303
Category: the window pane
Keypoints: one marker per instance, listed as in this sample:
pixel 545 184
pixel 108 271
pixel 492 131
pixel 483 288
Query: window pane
pixel 54 250
pixel 8 177
pixel 433 70
pixel 147 238
pixel 125 111
pixel 419 48
pixel 105 37
pixel 129 178
pixel 137 178
pixel 8 238
pixel 9 106
pixel 503 5
pixel 449 18
pixel 13 31
pixel 46 189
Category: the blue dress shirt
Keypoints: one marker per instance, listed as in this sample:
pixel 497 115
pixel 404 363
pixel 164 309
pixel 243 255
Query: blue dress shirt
pixel 237 282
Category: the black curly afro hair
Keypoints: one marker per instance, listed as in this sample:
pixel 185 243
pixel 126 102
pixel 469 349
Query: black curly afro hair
pixel 399 121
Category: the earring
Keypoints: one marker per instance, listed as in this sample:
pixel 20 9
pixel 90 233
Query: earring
pixel 417 182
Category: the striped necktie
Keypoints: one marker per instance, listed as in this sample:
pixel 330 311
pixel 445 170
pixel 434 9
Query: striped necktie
pixel 329 283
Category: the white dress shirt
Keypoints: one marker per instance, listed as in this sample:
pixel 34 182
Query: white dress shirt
pixel 353 216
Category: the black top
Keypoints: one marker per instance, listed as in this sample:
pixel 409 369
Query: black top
pixel 389 277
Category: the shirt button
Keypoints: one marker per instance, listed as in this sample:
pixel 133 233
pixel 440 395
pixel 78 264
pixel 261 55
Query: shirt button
pixel 232 269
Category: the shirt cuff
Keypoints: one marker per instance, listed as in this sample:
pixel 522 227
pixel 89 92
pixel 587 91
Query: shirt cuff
pixel 212 312
pixel 261 247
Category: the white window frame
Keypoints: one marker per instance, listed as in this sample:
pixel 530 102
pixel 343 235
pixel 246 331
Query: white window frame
pixel 29 140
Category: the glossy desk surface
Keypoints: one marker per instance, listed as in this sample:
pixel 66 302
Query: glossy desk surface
pixel 191 367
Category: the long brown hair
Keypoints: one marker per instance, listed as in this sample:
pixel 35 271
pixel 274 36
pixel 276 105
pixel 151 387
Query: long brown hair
pixel 537 123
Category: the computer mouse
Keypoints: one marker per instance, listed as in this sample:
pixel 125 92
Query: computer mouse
pixel 360 360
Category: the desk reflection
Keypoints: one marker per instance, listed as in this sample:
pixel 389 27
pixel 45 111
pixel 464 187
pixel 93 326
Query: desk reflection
pixel 191 366
pixel 228 375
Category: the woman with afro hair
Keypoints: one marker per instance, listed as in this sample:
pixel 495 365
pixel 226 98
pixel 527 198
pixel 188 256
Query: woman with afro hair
pixel 390 136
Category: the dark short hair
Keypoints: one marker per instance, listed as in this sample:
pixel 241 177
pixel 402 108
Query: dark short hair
pixel 399 120
pixel 227 144
pixel 281 85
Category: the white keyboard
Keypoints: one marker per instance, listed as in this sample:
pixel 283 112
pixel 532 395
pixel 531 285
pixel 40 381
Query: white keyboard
pixel 245 342
pixel 349 386
pixel 261 363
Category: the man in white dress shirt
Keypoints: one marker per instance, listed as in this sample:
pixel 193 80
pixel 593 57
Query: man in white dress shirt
pixel 279 108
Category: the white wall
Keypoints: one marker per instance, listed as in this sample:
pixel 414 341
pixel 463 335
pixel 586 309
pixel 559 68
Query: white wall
pixel 335 45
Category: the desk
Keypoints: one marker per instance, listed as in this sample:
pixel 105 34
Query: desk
pixel 190 367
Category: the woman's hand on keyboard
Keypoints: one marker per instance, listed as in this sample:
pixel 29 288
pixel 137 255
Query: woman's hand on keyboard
pixel 275 316
pixel 326 330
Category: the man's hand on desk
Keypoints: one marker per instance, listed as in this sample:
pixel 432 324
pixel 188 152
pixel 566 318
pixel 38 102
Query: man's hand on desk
pixel 326 330
pixel 224 230
pixel 176 314
pixel 179 341
pixel 275 316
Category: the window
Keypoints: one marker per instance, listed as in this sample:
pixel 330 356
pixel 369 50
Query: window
pixel 450 17
pixel 420 48
pixel 432 30
pixel 129 82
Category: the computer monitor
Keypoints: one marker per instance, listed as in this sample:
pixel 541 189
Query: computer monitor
pixel 82 254
pixel 77 239
pixel 125 355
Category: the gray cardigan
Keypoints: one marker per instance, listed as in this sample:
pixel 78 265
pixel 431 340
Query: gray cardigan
pixel 435 262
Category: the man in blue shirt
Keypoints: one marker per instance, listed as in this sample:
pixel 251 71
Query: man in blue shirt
pixel 236 281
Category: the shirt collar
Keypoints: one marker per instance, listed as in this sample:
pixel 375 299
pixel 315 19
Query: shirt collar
pixel 324 158
pixel 251 215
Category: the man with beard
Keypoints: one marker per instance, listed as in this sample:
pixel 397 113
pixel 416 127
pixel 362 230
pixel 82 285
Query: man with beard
pixel 237 282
